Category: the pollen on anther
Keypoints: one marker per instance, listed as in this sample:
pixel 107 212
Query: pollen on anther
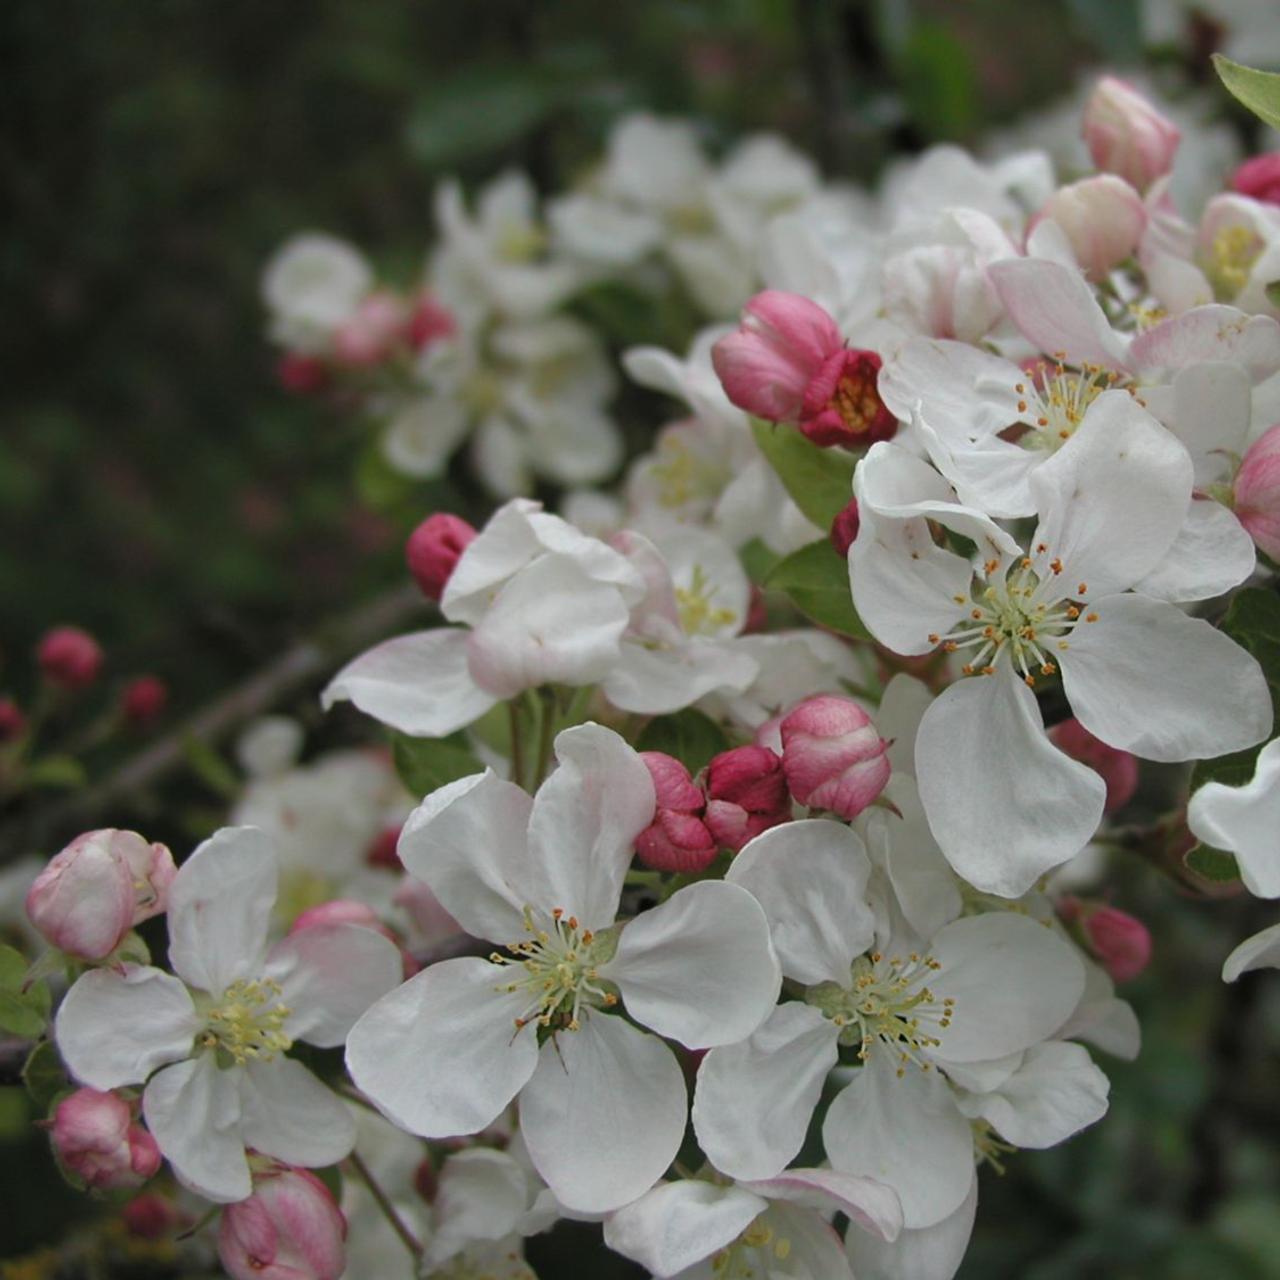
pixel 1091 617
pixel 1081 588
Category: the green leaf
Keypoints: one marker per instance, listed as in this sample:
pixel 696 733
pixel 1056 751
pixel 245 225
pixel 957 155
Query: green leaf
pixel 1212 864
pixel 426 764
pixel 1273 293
pixel 1253 622
pixel 378 484
pixel 690 736
pixel 210 767
pixel 332 1179
pixel 55 771
pixel 938 81
pixel 22 1013
pixel 1258 90
pixel 758 560
pixel 820 481
pixel 43 1075
pixel 817 580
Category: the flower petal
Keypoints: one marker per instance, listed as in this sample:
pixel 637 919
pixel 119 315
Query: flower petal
pixel 1244 821
pixel 925 1253
pixel 872 1205
pixel 289 1114
pixel 1212 553
pixel 1262 951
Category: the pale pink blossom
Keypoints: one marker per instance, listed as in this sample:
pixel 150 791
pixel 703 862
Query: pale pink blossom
pixel 1126 135
pixel 96 1139
pixel 1103 218
pixel 833 756
pixel 288 1229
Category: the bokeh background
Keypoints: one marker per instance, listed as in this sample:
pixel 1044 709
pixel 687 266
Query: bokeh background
pixel 158 488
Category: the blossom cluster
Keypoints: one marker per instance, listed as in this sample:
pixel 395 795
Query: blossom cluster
pixel 733 882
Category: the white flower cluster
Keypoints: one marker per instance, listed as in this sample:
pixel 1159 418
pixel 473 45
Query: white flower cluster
pixel 768 932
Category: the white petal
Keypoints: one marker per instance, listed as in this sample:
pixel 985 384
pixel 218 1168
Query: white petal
pixel 421 436
pixel 289 1114
pixel 1148 679
pixel 1211 554
pixel 1101 1019
pixel 220 909
pixel 968 391
pixel 905 1131
pixel 604 1113
pixel 193 1111
pixel 1004 804
pixel 419 684
pixel 439 1055
pixel 584 822
pixel 872 1205
pixel 1262 951
pixel 329 975
pixel 1056 1092
pixel 680 1223
pixel 926 1253
pixel 467 842
pixel 811 879
pixel 1014 982
pixel 815 1250
pixel 775 1077
pixel 116 1028
pixel 660 681
pixel 902 707
pixel 482 1195
pixel 1244 821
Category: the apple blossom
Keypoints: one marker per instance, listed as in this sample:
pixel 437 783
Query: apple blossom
pixel 1118 769
pixel 143 700
pixel 96 1138
pixel 1103 218
pixel 1126 135
pixel 1243 821
pixel 677 839
pixel 288 1229
pixel 746 794
pixel 832 755
pixel 1259 177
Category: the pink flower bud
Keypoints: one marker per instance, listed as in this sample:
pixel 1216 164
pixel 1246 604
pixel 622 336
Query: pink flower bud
pixel 382 850
pixel 301 375
pixel 13 724
pixel 371 332
pixel 1257 491
pixel 430 322
pixel 747 794
pixel 288 1229
pixel 143 700
pixel 1121 943
pixel 93 892
pixel 1103 218
pixel 757 619
pixel 844 528
pixel 1259 178
pixel 433 550
pixel 842 404
pixel 151 1217
pixel 677 839
pixel 96 1139
pixel 832 755
pixel 69 657
pixel 1126 135
pixel 1118 769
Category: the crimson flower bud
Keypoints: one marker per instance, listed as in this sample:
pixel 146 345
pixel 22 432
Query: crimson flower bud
pixel 430 322
pixel 746 794
pixel 1259 178
pixel 69 657
pixel 844 528
pixel 1257 491
pixel 1118 769
pixel 842 403
pixel 677 839
pixel 144 700
pixel 288 1229
pixel 13 724
pixel 1121 943
pixel 151 1217
pixel 1126 135
pixel 833 756
pixel 301 375
pixel 433 550
pixel 96 1139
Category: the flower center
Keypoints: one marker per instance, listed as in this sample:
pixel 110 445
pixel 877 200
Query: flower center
pixel 681 476
pixel 856 397
pixel 698 616
pixel 742 1259
pixel 987 1148
pixel 887 1001
pixel 248 1022
pixel 559 971
pixel 1231 256
pixel 1056 399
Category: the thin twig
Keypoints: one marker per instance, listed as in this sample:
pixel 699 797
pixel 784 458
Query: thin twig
pixel 410 1241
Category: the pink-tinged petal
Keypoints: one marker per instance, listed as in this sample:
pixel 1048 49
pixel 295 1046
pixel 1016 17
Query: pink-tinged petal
pixel 1102 217
pixel 1125 134
pixel 193 1112
pixel 872 1205
pixel 776 1076
pixel 584 824
pixel 1256 491
pixel 980 753
pixel 604 1114
pixel 116 1027
pixel 1148 679
pixel 467 843
pixel 419 684
pixel 439 1055
pixel 1211 334
pixel 1262 951
pixel 699 968
pixel 329 975
pixel 289 1114
pixel 926 1253
pixel 220 909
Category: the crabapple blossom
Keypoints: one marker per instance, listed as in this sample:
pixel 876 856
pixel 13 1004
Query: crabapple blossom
pixel 746 794
pixel 143 701
pixel 677 839
pixel 96 1138
pixel 1119 941
pixel 1103 218
pixel 1126 135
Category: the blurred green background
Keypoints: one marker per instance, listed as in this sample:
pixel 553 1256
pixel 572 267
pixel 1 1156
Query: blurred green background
pixel 157 488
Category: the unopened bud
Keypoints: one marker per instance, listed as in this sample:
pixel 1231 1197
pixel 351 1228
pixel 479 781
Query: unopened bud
pixel 677 839
pixel 1259 178
pixel 288 1229
pixel 13 724
pixel 1103 218
pixel 143 701
pixel 746 794
pixel 833 756
pixel 1256 492
pixel 382 848
pixel 96 1139
pixel 371 332
pixel 1121 943
pixel 151 1217
pixel 1118 769
pixel 430 322
pixel 69 657
pixel 433 550
pixel 844 528
pixel 1126 135
pixel 301 375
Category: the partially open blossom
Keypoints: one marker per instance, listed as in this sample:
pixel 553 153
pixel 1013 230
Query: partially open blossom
pixel 1126 135
pixel 144 700
pixel 1120 942
pixel 1257 492
pixel 1118 769
pixel 833 756
pixel 13 722
pixel 288 1229
pixel 433 549
pixel 96 1138
pixel 1259 177
pixel 1103 218
pixel 69 657
pixel 844 528
pixel 842 404
pixel 746 794
pixel 93 892
pixel 371 332
pixel 301 374
pixel 429 322
pixel 677 839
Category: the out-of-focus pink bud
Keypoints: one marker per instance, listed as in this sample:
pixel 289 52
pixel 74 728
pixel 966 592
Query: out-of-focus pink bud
pixel 677 839
pixel 1121 943
pixel 371 332
pixel 340 911
pixel 433 549
pixel 288 1229
pixel 96 1139
pixel 842 404
pixel 382 851
pixel 151 1217
pixel 1103 218
pixel 767 365
pixel 833 756
pixel 301 375
pixel 746 794
pixel 1259 178
pixel 757 613
pixel 1126 135
pixel 1118 769
pixel 13 724
pixel 69 657
pixel 144 700
pixel 93 892
pixel 1257 491
pixel 844 528
pixel 430 322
